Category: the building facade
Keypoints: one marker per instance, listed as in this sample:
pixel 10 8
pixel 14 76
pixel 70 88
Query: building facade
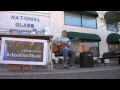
pixel 57 23
pixel 82 23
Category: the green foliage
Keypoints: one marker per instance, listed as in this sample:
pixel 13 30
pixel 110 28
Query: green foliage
pixel 112 17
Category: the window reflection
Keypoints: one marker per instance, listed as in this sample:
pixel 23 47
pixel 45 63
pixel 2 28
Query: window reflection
pixel 77 19
pixel 72 19
pixel 112 27
pixel 94 47
pixel 114 47
pixel 79 46
pixel 88 21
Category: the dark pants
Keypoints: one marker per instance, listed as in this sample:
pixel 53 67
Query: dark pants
pixel 66 52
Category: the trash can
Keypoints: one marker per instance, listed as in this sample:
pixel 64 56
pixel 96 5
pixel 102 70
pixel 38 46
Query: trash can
pixel 86 59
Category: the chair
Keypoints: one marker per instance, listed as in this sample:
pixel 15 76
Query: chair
pixel 59 56
pixel 102 60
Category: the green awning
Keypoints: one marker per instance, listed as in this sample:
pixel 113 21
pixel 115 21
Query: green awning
pixel 83 36
pixel 113 38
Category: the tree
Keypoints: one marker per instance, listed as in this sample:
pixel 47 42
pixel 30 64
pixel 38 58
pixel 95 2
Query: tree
pixel 113 18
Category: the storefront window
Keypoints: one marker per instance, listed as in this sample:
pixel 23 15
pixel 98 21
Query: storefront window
pixel 72 19
pixel 2 31
pixel 77 19
pixel 94 47
pixel 13 31
pixel 20 32
pixel 80 46
pixel 89 21
pixel 114 47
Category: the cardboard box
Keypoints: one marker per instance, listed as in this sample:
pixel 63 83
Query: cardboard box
pixel 12 67
pixel 26 67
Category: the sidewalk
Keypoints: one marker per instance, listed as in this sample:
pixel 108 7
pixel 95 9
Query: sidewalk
pixel 100 72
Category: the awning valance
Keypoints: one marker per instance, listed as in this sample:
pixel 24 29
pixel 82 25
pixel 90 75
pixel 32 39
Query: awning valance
pixel 113 38
pixel 84 36
pixel 93 13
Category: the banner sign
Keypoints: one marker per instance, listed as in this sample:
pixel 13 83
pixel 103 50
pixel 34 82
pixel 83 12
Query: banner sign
pixel 24 51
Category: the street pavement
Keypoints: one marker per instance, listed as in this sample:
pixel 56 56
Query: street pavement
pixel 41 72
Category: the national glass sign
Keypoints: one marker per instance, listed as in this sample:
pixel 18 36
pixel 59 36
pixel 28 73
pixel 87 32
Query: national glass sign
pixel 25 18
pixel 20 21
